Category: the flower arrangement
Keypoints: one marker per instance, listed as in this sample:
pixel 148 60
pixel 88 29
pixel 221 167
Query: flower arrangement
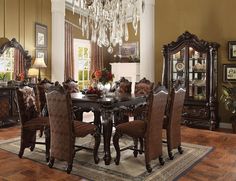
pixel 103 76
pixel 20 76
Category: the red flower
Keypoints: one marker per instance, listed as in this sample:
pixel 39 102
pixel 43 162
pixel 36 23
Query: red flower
pixel 104 76
pixel 20 76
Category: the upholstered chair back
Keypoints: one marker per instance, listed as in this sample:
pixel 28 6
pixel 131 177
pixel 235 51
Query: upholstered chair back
pixel 26 103
pixel 41 89
pixel 156 110
pixel 124 86
pixel 70 85
pixel 61 124
pixel 143 87
pixel 175 116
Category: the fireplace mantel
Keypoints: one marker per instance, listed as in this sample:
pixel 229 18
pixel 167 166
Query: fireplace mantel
pixel 130 71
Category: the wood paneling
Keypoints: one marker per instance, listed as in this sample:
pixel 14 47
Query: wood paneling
pixel 12 19
pixel 2 17
pixel 20 17
pixel 22 23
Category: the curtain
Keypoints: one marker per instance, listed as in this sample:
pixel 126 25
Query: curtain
pixel 18 63
pixel 69 59
pixel 96 58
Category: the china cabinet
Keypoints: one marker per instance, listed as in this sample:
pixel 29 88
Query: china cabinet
pixel 192 63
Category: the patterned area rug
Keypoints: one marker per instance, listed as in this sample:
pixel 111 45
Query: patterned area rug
pixel 130 168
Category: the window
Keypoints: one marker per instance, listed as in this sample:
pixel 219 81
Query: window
pixel 82 60
pixel 7 64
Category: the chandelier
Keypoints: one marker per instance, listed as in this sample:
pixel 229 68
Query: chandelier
pixel 106 21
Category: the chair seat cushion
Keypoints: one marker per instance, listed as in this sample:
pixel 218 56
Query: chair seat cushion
pixel 36 123
pixel 134 128
pixel 82 129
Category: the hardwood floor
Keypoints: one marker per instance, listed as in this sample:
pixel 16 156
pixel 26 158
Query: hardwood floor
pixel 219 165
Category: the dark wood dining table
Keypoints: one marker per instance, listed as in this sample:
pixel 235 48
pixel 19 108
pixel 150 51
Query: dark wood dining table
pixel 106 105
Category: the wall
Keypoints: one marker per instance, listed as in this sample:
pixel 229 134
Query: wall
pixel 77 33
pixel 17 20
pixel 211 20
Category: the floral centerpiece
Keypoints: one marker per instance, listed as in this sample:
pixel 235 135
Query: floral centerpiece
pixel 103 76
pixel 102 80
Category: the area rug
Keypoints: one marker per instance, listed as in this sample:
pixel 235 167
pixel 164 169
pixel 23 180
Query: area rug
pixel 130 168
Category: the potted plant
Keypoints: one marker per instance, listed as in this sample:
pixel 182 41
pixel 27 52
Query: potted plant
pixel 228 97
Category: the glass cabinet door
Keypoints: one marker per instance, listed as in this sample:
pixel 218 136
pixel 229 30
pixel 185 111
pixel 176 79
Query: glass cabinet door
pixel 197 75
pixel 178 73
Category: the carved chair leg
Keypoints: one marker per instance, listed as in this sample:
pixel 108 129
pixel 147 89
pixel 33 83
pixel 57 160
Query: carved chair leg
pixel 135 147
pixel 51 162
pixel 148 167
pixel 170 154
pixel 161 160
pixel 32 147
pixel 116 138
pixel 47 142
pixel 41 132
pixel 97 137
pixel 21 152
pixel 69 167
pixel 141 145
pixel 180 150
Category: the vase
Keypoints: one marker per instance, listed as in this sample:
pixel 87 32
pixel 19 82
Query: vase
pixel 104 88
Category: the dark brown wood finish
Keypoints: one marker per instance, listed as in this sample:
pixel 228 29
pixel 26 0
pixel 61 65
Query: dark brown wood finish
pixel 7 116
pixel 199 112
pixel 107 106
pixel 218 165
pixel 14 44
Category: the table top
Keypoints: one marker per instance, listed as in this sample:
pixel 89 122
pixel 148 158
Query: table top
pixel 109 98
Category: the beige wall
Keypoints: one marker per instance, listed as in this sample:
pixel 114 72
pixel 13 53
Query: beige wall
pixel 211 20
pixel 17 20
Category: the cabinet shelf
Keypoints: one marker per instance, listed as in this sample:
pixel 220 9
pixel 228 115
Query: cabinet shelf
pixel 198 76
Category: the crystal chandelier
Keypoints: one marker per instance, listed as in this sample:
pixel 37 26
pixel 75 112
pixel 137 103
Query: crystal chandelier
pixel 106 21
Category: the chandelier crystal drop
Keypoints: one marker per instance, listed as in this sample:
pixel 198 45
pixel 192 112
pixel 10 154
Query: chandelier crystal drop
pixel 106 21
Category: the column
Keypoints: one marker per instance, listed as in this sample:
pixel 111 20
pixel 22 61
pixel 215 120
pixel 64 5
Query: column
pixel 147 40
pixel 58 40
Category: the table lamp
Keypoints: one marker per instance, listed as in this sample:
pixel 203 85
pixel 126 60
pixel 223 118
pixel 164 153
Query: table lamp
pixel 39 63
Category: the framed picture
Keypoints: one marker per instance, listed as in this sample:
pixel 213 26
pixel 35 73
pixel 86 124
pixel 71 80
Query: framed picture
pixel 232 50
pixel 40 36
pixel 42 53
pixel 128 50
pixel 229 73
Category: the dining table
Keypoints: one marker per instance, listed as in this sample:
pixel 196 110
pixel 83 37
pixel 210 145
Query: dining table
pixel 106 105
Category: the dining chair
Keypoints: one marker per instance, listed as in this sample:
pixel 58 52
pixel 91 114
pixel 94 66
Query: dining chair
pixel 172 121
pixel 70 85
pixel 142 88
pixel 31 121
pixel 150 130
pixel 64 130
pixel 41 89
pixel 139 112
pixel 123 86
